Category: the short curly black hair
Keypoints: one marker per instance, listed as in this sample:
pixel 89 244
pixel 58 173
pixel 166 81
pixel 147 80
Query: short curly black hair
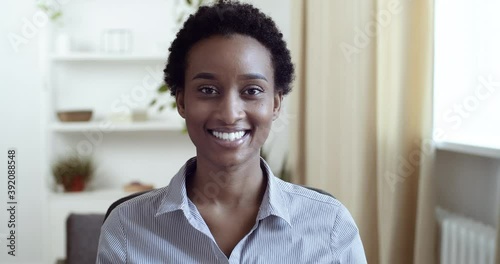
pixel 226 18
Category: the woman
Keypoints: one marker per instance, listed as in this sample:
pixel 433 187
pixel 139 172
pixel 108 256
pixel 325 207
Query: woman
pixel 229 69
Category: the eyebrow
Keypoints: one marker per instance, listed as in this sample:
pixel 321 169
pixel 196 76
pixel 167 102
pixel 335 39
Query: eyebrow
pixel 247 76
pixel 252 76
pixel 204 75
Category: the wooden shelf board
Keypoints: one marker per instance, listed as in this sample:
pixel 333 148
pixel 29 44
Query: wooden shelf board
pixel 105 194
pixel 116 127
pixel 107 57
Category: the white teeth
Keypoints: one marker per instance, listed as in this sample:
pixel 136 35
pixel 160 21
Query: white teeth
pixel 229 136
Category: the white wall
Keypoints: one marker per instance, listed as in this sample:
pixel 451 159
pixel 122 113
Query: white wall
pixel 20 93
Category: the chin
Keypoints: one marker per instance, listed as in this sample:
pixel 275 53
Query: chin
pixel 230 159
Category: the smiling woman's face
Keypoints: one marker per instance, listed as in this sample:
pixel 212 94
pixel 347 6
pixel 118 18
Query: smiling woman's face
pixel 228 99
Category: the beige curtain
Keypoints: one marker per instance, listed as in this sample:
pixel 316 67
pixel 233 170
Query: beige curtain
pixel 363 105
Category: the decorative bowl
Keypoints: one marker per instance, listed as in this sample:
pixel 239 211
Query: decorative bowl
pixel 137 187
pixel 74 116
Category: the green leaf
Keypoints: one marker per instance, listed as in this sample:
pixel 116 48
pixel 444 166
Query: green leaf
pixel 152 102
pixel 161 108
pixel 174 104
pixel 200 2
pixel 43 7
pixel 163 88
pixel 180 18
pixel 189 2
pixel 56 15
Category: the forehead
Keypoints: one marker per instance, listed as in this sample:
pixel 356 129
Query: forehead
pixel 229 54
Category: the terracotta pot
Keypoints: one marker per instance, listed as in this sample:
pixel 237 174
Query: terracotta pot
pixel 77 184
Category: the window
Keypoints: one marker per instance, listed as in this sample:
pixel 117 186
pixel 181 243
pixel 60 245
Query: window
pixel 467 72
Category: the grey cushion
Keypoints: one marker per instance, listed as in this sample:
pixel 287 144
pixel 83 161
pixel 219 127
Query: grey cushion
pixel 82 237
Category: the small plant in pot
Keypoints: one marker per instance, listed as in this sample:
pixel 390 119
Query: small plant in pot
pixel 73 172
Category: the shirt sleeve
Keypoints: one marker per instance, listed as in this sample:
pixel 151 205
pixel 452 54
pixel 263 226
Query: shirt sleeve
pixel 112 241
pixel 347 247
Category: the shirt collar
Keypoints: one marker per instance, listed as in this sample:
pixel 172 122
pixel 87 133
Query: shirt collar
pixel 176 195
pixel 273 202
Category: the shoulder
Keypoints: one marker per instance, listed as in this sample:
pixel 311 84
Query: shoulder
pixel 300 194
pixel 303 203
pixel 325 212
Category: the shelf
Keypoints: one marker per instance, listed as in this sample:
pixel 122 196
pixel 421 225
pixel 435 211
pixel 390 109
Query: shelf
pixel 107 57
pixel 117 127
pixel 477 149
pixel 110 194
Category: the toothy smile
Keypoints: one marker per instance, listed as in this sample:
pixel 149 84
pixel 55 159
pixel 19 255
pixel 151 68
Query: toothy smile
pixel 228 136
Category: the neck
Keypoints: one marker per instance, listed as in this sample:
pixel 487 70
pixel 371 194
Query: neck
pixel 234 186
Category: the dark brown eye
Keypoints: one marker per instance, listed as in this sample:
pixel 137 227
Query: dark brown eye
pixel 208 90
pixel 253 91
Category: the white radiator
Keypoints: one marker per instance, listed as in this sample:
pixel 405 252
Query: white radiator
pixel 465 241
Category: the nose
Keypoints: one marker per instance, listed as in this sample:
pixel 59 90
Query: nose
pixel 231 108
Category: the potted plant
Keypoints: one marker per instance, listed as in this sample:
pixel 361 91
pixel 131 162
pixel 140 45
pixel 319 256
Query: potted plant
pixel 73 172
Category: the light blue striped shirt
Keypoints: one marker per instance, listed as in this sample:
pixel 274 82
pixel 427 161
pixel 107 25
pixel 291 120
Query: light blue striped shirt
pixel 294 225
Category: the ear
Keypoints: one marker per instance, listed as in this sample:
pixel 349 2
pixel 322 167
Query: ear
pixel 179 100
pixel 278 100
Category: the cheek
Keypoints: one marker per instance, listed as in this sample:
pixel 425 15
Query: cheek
pixel 193 108
pixel 195 114
pixel 264 118
pixel 265 112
